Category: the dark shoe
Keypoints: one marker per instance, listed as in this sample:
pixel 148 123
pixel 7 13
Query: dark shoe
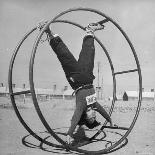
pixel 94 27
pixel 41 25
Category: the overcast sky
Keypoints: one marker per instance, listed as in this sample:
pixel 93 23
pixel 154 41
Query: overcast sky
pixel 136 17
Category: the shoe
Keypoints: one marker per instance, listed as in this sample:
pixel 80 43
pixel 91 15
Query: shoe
pixel 92 27
pixel 41 25
pixel 48 31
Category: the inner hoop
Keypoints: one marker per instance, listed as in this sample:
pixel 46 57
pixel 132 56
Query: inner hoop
pixel 113 74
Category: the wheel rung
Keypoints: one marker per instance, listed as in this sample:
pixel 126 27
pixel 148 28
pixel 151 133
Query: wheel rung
pixel 128 71
pixel 116 127
pixel 21 92
pixel 103 21
pixel 108 127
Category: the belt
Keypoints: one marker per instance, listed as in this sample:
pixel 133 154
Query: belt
pixel 87 86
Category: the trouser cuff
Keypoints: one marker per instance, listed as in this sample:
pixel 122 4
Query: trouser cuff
pixel 55 41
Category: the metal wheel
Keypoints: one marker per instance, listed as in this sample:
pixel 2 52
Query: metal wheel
pixel 114 74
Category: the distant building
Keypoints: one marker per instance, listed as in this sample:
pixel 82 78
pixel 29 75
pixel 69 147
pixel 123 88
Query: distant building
pixel 4 91
pixel 134 95
pixel 68 94
pixel 148 95
pixel 48 93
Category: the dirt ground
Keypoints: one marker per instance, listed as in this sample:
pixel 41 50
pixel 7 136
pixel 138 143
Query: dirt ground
pixel 141 141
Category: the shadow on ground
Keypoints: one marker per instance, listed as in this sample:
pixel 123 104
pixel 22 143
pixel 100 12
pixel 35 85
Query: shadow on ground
pixel 31 142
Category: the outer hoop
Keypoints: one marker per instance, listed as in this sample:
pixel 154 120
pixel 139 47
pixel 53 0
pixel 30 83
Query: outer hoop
pixel 32 90
pixel 32 83
pixel 12 94
pixel 114 80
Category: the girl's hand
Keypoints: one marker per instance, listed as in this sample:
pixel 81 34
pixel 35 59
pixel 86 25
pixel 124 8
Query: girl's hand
pixel 69 139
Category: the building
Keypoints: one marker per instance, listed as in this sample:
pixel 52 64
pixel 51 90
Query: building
pixel 68 94
pixel 134 95
pixel 4 91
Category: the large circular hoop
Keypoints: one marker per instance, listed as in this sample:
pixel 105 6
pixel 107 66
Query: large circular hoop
pixel 32 90
pixel 113 74
pixel 13 94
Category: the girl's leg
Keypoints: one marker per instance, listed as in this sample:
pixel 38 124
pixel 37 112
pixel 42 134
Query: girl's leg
pixel 67 60
pixel 86 57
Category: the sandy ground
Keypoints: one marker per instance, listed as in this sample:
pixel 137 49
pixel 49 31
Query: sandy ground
pixel 141 140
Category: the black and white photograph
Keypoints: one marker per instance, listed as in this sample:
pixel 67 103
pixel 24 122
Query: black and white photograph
pixel 77 77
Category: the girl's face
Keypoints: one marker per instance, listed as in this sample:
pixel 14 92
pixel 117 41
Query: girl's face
pixel 91 115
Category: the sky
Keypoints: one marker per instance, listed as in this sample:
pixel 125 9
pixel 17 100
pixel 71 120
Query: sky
pixel 136 17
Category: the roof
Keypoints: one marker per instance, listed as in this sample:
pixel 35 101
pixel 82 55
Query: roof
pixel 44 91
pixel 144 94
pixel 132 93
pixel 48 91
pixel 5 90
